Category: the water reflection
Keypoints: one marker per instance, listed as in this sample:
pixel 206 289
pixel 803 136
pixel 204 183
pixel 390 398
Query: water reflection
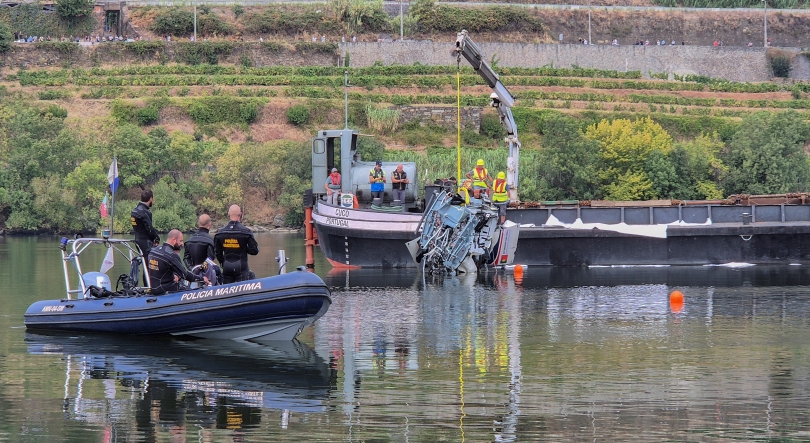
pixel 583 354
pixel 144 389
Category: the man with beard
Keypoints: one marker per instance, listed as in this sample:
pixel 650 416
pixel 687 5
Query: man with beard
pixel 165 268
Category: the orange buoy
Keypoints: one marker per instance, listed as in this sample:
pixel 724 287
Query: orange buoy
pixel 676 301
pixel 518 271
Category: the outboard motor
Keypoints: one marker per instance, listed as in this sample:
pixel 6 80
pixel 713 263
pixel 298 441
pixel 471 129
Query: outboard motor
pixel 99 279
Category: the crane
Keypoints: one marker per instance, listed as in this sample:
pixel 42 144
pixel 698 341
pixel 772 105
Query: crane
pixel 502 100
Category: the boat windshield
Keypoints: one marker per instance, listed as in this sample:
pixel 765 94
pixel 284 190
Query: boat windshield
pixel 72 251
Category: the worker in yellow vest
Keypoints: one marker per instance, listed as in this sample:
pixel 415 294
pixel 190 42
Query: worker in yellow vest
pixel 480 177
pixel 499 196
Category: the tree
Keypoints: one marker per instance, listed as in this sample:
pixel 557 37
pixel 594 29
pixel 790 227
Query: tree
pixel 568 161
pixel 699 168
pixel 6 37
pixel 766 155
pixel 70 10
pixel 625 148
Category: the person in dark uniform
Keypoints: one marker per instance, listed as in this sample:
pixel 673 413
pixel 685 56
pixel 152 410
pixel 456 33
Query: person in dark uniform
pixel 165 267
pixel 145 234
pixel 232 244
pixel 201 247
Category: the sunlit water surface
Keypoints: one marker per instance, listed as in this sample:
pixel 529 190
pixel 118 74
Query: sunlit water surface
pixel 558 355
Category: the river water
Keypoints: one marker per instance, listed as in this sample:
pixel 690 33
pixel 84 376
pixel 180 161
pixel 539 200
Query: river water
pixel 594 354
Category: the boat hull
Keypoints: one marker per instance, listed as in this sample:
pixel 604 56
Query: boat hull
pixel 267 309
pixel 708 234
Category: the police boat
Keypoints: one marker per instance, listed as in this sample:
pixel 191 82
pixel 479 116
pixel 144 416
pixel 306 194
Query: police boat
pixel 263 309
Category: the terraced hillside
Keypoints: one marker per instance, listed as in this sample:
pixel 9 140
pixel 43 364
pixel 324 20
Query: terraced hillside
pixel 173 95
pixel 236 133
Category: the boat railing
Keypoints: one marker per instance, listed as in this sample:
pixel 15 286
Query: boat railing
pixel 71 250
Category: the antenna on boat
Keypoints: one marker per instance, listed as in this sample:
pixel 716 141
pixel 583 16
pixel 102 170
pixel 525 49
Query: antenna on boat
pixel 346 98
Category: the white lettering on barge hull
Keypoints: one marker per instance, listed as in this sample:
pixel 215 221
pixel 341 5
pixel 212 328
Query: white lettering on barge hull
pixel 337 222
pixel 221 291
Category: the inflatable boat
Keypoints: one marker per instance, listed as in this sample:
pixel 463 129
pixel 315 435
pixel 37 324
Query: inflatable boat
pixel 264 309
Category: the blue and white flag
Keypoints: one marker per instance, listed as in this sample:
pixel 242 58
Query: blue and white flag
pixel 112 176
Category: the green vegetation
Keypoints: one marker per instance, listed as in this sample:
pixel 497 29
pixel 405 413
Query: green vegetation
pixel 73 10
pixel 595 135
pixel 52 176
pixel 180 22
pixel 298 115
pixel 381 120
pixel 776 4
pixel 6 37
pixel 443 18
pixel 72 18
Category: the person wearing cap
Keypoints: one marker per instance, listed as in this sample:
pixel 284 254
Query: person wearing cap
pixel 480 177
pixel 377 179
pixel 333 188
pixel 499 196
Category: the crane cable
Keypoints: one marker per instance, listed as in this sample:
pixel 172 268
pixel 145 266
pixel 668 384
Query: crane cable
pixel 458 124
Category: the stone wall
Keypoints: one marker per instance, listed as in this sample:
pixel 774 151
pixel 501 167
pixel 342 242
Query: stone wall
pixel 31 55
pixel 444 116
pixel 740 64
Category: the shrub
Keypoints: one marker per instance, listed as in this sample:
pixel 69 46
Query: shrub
pixel 291 20
pixel 195 53
pixel 238 10
pixel 298 115
pixel 210 24
pixel 6 36
pixel 173 21
pixel 220 109
pixel 143 48
pixel 72 9
pixel 491 126
pixel 56 111
pixel 130 113
pixel 780 63
pixel 246 61
pixel 147 116
pixel 53 94
pixel 249 112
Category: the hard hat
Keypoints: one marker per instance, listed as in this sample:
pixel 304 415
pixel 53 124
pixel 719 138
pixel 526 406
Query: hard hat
pixel 501 175
pixel 480 162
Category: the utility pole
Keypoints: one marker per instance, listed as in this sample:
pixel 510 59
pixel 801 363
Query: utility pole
pixel 401 25
pixel 346 98
pixel 590 41
pixel 195 22
pixel 765 22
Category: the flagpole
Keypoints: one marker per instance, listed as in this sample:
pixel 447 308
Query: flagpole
pixel 113 188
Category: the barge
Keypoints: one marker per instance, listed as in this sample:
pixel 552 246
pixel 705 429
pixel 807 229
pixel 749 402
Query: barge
pixel 751 229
